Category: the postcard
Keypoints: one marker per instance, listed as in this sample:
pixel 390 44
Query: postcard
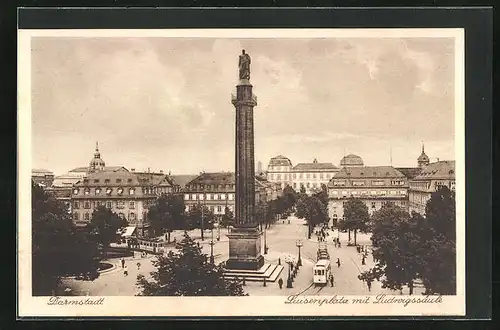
pixel 241 172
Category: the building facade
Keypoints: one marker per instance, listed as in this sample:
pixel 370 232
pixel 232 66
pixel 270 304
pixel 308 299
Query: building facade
pixel 374 185
pixel 42 177
pixel 217 191
pixel 308 175
pixel 129 194
pixel 430 178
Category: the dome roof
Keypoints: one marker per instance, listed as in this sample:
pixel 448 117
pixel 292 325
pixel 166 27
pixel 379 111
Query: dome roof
pixel 351 160
pixel 280 161
pixel 97 162
pixel 423 158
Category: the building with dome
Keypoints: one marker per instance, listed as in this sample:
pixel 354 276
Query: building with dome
pixel 308 175
pixel 279 171
pixel 351 160
pixel 423 159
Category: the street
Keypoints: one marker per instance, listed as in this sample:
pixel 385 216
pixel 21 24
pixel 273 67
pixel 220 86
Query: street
pixel 281 240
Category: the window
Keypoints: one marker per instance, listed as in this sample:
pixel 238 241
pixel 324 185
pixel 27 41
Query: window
pixel 109 191
pixel 294 185
pixel 200 197
pixel 86 216
pixel 308 185
pixel 193 197
pixel 219 208
pixel 373 192
pixel 378 183
pixel 129 180
pixel 216 196
pixel 132 205
pixel 382 192
pixel 97 191
pixel 108 204
pixel 314 184
pixel 186 197
pixel 335 192
pixel 86 205
pixel 358 183
pixel 75 216
pixel 278 177
pixel 76 205
pixel 393 192
pixel 121 215
pixel 75 191
pixel 120 191
pixel 339 183
pixel 308 176
pixel 321 175
pixel 373 205
pixel 231 197
pixel 212 208
pixel 131 191
pixel 118 180
pixel 223 196
pixel 344 192
pixel 96 180
pixel 314 175
pixel 294 175
pixel 107 181
pixel 271 176
pixel 354 192
pixel 300 176
pixel 209 197
pixel 132 216
pixel 120 204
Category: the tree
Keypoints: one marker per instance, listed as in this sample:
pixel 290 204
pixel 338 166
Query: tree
pixel 397 246
pixel 104 225
pixel 227 218
pixel 323 194
pixel 313 210
pixel 302 190
pixel 167 214
pixel 200 216
pixel 439 264
pixel 356 216
pixel 187 273
pixel 289 197
pixel 261 213
pixel 58 249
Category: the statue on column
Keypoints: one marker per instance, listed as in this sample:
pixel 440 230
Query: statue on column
pixel 244 65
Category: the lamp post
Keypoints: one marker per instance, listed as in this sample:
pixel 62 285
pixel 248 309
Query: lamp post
pixel 289 279
pixel 265 242
pixel 212 248
pixel 299 245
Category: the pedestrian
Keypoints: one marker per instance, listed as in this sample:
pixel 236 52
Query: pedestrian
pixel 138 265
pixel 369 283
pixel 280 283
pixel 340 245
pixel 357 249
pixel 338 262
pixel 363 261
pixel 123 262
pixel 125 271
pixel 331 280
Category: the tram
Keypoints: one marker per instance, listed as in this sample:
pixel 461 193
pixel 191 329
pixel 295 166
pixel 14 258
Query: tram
pixel 321 272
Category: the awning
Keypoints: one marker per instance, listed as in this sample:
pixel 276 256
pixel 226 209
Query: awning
pixel 129 231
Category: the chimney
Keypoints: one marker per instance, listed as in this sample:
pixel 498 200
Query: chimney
pixel 132 170
pixel 161 171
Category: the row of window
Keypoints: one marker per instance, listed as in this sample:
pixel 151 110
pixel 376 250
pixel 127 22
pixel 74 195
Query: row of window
pixel 210 186
pixel 87 216
pixel 212 208
pixel 373 205
pixel 200 197
pixel 374 183
pixel 278 177
pixel 108 204
pixel 373 192
pixel 107 180
pixel 120 191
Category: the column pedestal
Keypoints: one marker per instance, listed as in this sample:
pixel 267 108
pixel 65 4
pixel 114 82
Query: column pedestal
pixel 245 249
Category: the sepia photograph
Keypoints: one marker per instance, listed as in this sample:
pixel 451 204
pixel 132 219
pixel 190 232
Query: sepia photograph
pixel 298 171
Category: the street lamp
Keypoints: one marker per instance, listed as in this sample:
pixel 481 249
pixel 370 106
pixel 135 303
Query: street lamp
pixel 212 248
pixel 265 242
pixel 288 260
pixel 299 245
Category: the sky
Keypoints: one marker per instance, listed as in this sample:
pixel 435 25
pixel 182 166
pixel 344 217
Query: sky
pixel 165 103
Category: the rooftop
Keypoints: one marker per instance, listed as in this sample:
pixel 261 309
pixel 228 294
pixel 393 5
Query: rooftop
pixel 369 172
pixel 280 160
pixel 351 159
pixel 444 169
pixel 314 166
pixel 409 172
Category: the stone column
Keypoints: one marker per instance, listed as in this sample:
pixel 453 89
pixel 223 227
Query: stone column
pixel 244 240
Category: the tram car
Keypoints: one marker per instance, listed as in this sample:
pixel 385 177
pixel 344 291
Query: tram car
pixel 321 272
pixel 322 252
